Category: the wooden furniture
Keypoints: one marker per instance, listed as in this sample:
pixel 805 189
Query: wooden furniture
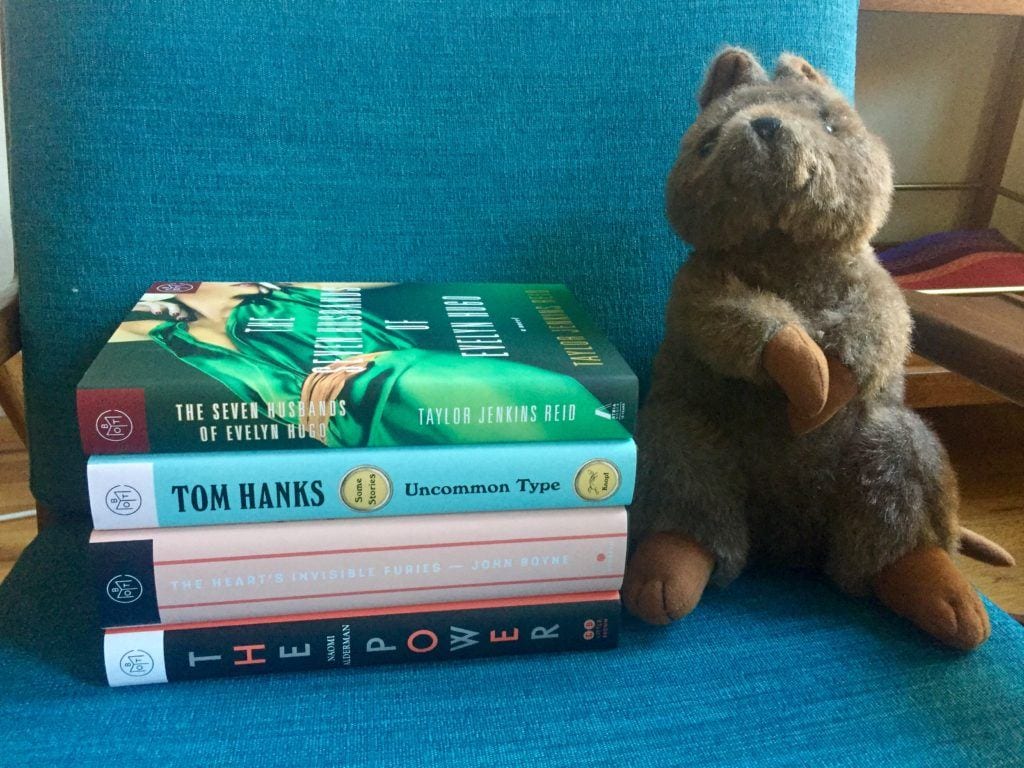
pixel 12 399
pixel 979 336
pixel 930 382
pixel 929 385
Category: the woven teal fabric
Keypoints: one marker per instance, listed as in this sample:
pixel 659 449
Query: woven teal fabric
pixel 773 671
pixel 363 140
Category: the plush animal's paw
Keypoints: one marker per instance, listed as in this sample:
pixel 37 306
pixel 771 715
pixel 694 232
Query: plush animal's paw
pixel 925 587
pixel 796 363
pixel 666 577
pixel 842 388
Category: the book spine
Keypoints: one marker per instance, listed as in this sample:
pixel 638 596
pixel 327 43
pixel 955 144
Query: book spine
pixel 168 654
pixel 275 486
pixel 176 575
pixel 208 418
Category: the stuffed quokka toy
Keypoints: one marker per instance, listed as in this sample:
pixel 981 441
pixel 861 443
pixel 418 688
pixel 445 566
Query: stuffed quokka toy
pixel 775 426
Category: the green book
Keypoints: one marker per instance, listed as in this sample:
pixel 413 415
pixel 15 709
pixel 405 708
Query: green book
pixel 209 366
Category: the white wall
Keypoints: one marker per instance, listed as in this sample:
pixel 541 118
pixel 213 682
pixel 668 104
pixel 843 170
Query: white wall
pixel 927 83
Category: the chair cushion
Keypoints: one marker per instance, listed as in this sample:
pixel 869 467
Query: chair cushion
pixel 456 140
pixel 231 139
pixel 774 670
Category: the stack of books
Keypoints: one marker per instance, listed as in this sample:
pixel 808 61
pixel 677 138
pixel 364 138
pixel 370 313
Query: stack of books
pixel 318 475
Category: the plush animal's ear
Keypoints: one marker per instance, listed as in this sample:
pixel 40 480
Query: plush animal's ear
pixel 731 68
pixel 797 68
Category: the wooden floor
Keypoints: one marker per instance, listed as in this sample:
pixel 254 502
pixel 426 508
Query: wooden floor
pixel 14 497
pixel 986 443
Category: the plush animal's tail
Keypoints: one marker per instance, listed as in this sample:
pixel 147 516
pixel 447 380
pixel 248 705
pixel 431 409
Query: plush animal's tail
pixel 977 547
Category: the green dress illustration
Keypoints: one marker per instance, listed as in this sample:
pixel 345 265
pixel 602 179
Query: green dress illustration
pixel 386 393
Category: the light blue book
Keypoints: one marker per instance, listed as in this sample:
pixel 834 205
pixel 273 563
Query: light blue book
pixel 180 489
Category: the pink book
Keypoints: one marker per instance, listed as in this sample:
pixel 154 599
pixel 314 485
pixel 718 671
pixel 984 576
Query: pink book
pixel 175 575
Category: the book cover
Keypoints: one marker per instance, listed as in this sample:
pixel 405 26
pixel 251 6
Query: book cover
pixel 174 489
pixel 176 575
pixel 469 630
pixel 206 366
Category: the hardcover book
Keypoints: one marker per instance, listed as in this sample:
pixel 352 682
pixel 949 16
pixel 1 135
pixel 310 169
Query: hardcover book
pixel 207 366
pixel 140 655
pixel 176 575
pixel 174 489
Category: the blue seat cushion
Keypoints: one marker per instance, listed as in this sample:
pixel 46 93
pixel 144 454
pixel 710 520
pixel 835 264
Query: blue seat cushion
pixel 775 670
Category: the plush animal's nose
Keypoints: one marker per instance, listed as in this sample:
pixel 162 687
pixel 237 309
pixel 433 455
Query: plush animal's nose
pixel 765 127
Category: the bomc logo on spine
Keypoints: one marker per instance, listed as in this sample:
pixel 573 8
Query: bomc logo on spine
pixel 114 425
pixel 123 500
pixel 124 588
pixel 136 663
pixel 173 286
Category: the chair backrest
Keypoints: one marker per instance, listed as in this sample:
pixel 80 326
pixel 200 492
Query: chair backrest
pixel 362 140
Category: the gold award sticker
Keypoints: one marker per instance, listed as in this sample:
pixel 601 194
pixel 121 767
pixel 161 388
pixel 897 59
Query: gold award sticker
pixel 365 489
pixel 597 480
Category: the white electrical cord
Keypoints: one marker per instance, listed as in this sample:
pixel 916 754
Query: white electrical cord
pixel 17 515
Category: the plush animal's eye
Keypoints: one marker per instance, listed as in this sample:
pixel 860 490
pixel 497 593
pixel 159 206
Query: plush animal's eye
pixel 707 144
pixel 827 122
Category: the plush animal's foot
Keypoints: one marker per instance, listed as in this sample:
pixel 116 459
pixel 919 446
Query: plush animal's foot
pixel 926 587
pixel 666 577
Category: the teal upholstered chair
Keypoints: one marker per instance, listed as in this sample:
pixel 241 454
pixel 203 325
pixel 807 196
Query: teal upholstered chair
pixel 501 140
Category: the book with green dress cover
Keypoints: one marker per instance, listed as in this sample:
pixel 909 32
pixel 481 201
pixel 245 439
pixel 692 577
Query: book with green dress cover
pixel 208 366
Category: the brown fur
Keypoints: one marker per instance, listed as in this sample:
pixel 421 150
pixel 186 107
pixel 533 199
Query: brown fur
pixel 780 214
